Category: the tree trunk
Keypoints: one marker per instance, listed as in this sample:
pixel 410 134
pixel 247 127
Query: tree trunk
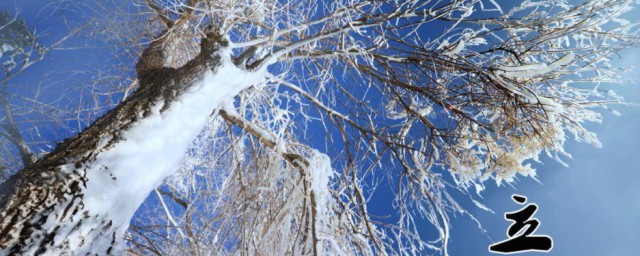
pixel 80 197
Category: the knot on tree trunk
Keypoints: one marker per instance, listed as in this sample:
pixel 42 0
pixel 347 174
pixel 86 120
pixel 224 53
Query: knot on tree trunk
pixel 158 61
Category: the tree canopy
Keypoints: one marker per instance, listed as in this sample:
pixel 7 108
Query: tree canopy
pixel 322 104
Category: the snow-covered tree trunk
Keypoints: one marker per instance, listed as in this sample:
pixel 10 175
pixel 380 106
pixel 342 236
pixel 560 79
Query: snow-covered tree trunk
pixel 80 197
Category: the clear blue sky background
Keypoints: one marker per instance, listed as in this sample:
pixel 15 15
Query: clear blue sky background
pixel 589 208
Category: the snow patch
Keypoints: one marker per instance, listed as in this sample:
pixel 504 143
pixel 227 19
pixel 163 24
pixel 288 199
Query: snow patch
pixel 531 70
pixel 550 107
pixel 121 177
pixel 459 46
pixel 320 173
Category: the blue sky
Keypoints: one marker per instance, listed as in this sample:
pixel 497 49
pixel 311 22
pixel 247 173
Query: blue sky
pixel 591 207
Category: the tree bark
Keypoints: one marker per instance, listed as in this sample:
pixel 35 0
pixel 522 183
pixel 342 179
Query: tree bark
pixel 77 199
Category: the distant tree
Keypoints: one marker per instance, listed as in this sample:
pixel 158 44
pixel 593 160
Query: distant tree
pixel 21 103
pixel 433 97
pixel 18 51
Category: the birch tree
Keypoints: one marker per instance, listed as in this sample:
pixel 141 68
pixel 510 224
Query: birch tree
pixel 431 97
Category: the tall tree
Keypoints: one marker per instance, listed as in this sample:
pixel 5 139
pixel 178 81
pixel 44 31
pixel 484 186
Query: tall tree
pixel 453 93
